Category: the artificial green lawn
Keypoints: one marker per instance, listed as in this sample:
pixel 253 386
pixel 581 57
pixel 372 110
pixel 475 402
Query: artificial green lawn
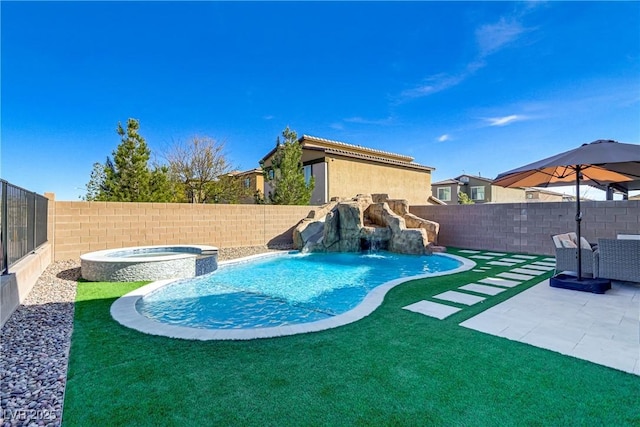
pixel 393 367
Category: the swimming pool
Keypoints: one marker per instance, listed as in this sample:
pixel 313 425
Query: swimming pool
pixel 277 294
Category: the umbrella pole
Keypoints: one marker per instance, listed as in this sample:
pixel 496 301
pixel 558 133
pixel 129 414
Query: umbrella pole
pixel 578 220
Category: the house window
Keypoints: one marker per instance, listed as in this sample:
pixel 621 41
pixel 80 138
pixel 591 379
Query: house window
pixel 444 194
pixel 271 174
pixel 477 193
pixel 247 182
pixel 307 174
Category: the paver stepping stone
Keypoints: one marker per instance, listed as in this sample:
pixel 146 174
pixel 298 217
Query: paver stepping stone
pixel 478 271
pixel 549 260
pixel 548 264
pixel 501 263
pixel 539 267
pixel 482 289
pixel 515 276
pixel 484 268
pixel 499 282
pixel 459 297
pixel 529 271
pixel 469 251
pixel 524 256
pixel 513 260
pixel 495 253
pixel 432 309
pixel 481 257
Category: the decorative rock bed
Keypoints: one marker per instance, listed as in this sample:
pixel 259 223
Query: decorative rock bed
pixel 35 341
pixel 149 263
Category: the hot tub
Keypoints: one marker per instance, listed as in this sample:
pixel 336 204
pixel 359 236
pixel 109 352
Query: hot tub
pixel 149 263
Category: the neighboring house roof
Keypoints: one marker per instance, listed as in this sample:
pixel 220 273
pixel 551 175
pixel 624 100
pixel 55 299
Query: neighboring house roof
pixel 308 140
pixel 247 172
pixel 474 177
pixel 457 180
pixel 544 191
pixel 355 151
pixel 448 182
pixel 435 201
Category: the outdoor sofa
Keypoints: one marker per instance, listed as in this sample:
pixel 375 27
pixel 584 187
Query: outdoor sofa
pixel 618 259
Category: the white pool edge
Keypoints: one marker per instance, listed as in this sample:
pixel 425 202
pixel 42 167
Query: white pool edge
pixel 110 265
pixel 106 255
pixel 123 310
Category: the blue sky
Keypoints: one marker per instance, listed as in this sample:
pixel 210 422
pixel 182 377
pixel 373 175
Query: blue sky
pixel 465 87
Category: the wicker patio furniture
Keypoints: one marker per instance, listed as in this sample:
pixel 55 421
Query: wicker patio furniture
pixel 619 260
pixel 567 254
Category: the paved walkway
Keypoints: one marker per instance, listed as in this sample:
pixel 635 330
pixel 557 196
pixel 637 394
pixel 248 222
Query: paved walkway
pixel 526 268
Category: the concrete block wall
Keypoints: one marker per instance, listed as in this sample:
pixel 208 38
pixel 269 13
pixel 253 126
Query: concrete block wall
pixel 528 227
pixel 15 286
pixel 80 227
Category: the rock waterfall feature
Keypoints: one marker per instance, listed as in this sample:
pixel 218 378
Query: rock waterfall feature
pixel 366 222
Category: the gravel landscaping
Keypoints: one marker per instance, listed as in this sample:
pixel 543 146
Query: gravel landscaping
pixel 34 345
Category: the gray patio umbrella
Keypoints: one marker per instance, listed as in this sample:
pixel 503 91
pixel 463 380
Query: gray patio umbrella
pixel 599 163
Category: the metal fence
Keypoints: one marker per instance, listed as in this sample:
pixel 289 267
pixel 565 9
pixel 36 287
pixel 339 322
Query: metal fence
pixel 23 223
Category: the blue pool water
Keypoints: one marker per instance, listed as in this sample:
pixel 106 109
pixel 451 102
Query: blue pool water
pixel 282 290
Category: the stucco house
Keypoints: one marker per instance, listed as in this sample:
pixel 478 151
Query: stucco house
pixel 253 181
pixel 479 189
pixel 344 170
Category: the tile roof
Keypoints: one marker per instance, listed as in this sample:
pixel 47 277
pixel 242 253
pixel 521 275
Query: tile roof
pixel 448 182
pixel 544 191
pixel 356 151
pixel 482 178
pixel 344 145
pixel 356 155
pixel 247 172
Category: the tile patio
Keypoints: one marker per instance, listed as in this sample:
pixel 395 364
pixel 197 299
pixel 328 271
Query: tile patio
pixel 603 329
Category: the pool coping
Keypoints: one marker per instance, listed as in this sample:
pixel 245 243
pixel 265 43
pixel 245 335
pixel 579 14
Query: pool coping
pixel 126 264
pixel 107 255
pixel 123 310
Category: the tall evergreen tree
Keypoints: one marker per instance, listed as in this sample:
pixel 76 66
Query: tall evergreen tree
pixel 128 178
pixel 163 188
pixel 100 182
pixel 286 175
pixel 95 186
pixel 131 177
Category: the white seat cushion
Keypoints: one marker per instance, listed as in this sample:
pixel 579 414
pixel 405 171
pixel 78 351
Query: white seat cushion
pixel 564 241
pixel 584 243
pixel 570 240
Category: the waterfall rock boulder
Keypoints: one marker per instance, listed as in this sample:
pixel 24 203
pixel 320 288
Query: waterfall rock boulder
pixel 365 222
pixel 312 232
